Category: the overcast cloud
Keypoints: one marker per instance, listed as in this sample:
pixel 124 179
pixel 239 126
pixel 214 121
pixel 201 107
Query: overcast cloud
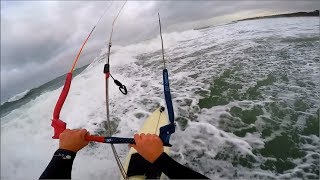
pixel 39 39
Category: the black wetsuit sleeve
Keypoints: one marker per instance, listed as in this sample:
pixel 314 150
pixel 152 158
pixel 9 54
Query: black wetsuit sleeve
pixel 60 165
pixel 174 170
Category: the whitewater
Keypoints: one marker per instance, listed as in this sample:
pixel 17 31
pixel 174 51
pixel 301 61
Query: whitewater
pixel 246 97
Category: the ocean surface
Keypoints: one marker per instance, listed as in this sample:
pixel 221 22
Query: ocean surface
pixel 20 99
pixel 246 97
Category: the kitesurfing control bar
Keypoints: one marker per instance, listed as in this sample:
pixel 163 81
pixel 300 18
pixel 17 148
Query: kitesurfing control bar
pixel 61 126
pixel 114 140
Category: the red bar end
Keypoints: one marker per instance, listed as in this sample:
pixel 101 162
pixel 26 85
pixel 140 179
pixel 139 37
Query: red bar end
pixel 58 127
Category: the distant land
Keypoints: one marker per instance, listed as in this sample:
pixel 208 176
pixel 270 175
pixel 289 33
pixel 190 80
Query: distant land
pixel 296 14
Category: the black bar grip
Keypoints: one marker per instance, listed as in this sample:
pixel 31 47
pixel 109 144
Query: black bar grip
pixel 119 140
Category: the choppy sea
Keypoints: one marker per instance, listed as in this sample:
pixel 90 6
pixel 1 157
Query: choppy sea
pixel 246 97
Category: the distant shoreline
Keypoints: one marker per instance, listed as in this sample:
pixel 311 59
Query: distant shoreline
pixel 296 14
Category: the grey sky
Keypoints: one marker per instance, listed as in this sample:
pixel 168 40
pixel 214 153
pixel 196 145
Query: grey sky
pixel 39 39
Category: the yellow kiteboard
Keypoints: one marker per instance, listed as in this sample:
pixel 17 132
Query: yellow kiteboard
pixel 135 166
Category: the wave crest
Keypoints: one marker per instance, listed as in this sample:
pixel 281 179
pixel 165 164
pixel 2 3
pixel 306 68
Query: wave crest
pixel 19 96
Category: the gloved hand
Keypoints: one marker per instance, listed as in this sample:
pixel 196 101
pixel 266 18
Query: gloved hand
pixel 150 147
pixel 73 140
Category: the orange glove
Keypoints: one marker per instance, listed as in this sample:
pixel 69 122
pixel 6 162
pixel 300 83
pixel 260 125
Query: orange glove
pixel 150 147
pixel 73 140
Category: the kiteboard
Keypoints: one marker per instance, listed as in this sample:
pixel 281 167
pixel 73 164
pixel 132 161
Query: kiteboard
pixel 137 167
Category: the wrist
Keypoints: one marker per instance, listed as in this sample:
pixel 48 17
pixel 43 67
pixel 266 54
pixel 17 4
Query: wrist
pixel 160 158
pixel 65 154
pixel 68 149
